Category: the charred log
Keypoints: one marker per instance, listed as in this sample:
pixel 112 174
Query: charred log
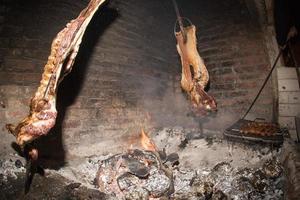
pixel 135 173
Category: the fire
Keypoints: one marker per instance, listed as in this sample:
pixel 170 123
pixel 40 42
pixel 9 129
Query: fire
pixel 146 142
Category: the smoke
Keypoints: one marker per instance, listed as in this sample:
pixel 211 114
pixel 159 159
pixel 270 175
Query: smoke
pixel 166 104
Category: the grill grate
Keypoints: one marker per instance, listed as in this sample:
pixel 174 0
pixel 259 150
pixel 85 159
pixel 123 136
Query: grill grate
pixel 234 133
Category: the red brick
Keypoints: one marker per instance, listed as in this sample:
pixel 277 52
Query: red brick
pixel 19 65
pixel 71 124
pixel 133 69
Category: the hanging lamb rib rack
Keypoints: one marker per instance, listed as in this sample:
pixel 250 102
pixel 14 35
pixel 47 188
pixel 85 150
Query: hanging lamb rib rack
pixel 194 77
pixel 64 48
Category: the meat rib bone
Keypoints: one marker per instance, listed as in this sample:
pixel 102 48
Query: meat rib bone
pixel 64 49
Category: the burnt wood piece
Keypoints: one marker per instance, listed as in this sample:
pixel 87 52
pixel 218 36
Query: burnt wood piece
pixel 139 169
pixel 64 49
pixel 194 77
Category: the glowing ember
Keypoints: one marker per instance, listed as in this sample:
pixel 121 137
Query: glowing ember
pixel 147 142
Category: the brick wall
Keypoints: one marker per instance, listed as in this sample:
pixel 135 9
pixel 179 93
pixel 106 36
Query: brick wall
pixel 127 73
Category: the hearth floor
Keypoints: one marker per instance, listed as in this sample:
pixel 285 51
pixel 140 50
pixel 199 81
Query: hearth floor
pixel 198 156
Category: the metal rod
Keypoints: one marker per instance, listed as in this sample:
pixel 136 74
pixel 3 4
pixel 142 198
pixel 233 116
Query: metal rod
pixel 179 18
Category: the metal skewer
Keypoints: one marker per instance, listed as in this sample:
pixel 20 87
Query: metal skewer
pixel 179 18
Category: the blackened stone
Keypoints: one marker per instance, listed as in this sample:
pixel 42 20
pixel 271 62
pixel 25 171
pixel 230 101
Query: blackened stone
pixel 173 158
pixel 18 163
pixel 162 155
pixel 137 168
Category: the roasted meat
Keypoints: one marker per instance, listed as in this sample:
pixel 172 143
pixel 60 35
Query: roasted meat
pixel 64 49
pixel 260 128
pixel 194 76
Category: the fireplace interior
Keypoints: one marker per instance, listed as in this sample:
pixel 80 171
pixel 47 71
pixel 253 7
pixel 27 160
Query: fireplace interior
pixel 125 128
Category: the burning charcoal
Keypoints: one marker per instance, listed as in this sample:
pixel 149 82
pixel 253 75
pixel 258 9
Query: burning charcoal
pixel 173 158
pixel 202 188
pixel 137 193
pixel 127 180
pixel 272 168
pixel 136 153
pixel 137 168
pixel 219 195
pixel 153 158
pixel 157 183
pixel 163 155
pixel 146 156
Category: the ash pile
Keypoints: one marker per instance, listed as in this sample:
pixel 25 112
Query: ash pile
pixel 145 174
pixel 183 165
pixel 136 174
pixel 226 182
pixel 142 175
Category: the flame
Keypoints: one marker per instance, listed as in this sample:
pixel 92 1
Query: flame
pixel 146 142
